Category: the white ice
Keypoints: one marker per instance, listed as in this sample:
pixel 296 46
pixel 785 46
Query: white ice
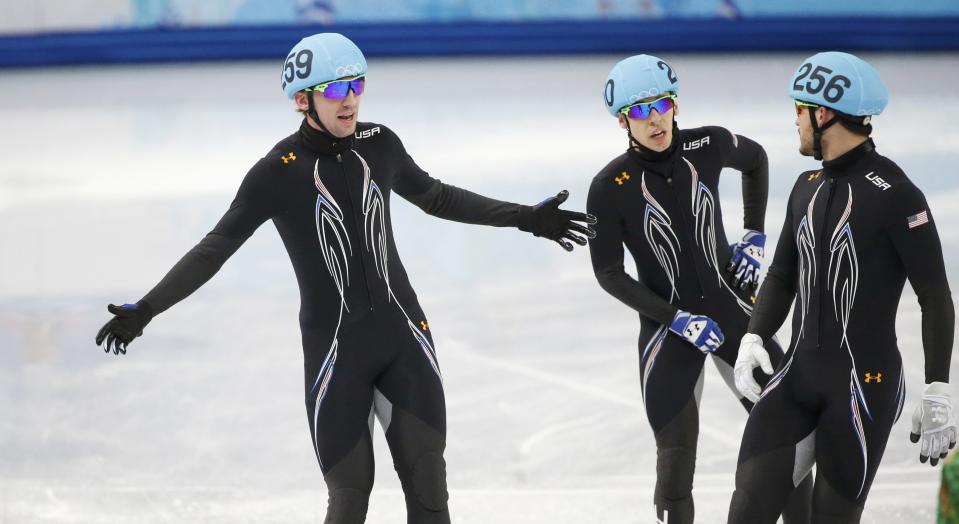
pixel 109 174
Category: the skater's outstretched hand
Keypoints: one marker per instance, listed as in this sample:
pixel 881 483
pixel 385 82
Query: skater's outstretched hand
pixel 127 324
pixel 547 220
pixel 752 354
pixel 699 330
pixel 747 259
pixel 935 423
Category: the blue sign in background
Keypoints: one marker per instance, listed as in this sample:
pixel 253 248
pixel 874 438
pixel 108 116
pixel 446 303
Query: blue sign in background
pixel 47 32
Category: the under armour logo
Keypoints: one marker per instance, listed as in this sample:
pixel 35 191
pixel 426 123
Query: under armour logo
pixel 288 158
pixel 694 329
pixel 814 176
pixel 939 415
pixel 424 325
pixel 621 179
pixel 870 377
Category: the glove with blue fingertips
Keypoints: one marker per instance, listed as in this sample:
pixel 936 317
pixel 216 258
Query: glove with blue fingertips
pixel 127 324
pixel 547 220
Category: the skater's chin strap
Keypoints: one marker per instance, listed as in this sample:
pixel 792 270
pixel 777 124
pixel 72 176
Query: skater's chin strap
pixel 817 132
pixel 311 112
pixel 861 123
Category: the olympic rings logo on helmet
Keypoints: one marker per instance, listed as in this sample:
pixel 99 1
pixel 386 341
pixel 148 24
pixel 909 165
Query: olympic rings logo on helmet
pixel 644 94
pixel 349 70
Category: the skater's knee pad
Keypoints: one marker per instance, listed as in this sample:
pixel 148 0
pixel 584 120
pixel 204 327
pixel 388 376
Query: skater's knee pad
pixel 673 497
pixel 742 508
pixel 799 504
pixel 347 506
pixel 674 472
pixel 428 479
pixel 349 484
pixel 832 507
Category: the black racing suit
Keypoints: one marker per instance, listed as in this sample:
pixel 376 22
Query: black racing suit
pixel 665 208
pixel 854 231
pixel 366 342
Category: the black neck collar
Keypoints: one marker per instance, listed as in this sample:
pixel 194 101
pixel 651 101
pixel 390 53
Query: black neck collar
pixel 849 158
pixel 322 143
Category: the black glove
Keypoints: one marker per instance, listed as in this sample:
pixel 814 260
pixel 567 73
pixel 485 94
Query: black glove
pixel 547 220
pixel 127 325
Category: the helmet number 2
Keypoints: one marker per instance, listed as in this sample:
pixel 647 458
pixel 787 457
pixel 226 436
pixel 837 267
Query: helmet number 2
pixel 669 71
pixel 298 65
pixel 835 86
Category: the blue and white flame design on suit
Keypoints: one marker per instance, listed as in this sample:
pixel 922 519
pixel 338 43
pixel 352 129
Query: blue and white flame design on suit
pixel 662 240
pixel 374 232
pixel 843 281
pixel 806 248
pixel 900 395
pixel 650 352
pixel 704 211
pixel 374 223
pixel 336 248
pixel 658 228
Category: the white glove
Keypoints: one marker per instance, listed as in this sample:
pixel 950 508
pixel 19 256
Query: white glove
pixel 752 354
pixel 934 421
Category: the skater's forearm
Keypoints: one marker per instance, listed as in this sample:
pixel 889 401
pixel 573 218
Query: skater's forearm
pixel 773 302
pixel 750 158
pixel 938 330
pixel 778 290
pixel 192 271
pixel 253 205
pixel 615 281
pixel 446 201
pixel 459 205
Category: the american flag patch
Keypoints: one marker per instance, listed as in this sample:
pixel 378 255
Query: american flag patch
pixel 918 219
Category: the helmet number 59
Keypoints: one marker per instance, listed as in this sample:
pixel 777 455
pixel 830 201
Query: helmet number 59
pixel 297 65
pixel 835 86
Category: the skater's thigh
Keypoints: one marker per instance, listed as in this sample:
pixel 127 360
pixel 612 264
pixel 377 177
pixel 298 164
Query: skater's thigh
pixel 671 376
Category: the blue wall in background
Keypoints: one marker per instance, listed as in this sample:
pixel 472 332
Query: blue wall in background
pixel 773 34
pixel 57 32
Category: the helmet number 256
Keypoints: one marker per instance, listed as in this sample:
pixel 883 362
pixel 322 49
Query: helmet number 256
pixel 298 64
pixel 835 86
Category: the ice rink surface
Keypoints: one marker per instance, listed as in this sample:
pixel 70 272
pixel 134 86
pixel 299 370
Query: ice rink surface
pixel 108 175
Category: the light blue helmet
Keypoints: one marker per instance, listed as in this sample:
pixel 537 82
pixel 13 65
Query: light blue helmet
pixel 840 81
pixel 636 78
pixel 320 58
